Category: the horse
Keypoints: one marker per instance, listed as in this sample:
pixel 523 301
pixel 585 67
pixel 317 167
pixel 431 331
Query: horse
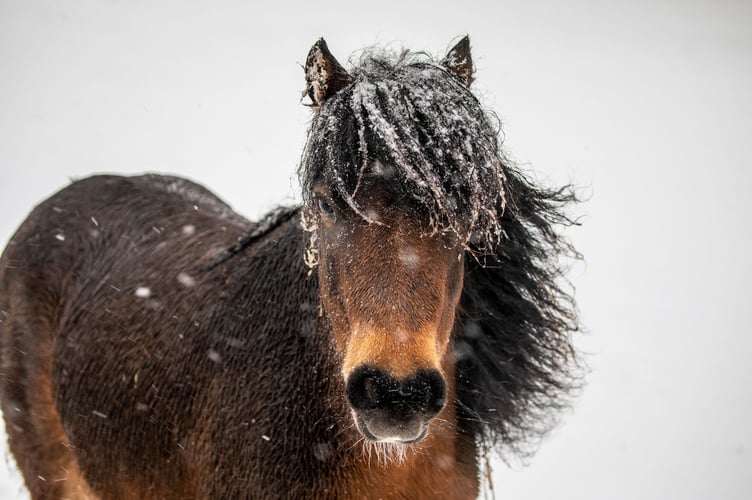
pixel 377 340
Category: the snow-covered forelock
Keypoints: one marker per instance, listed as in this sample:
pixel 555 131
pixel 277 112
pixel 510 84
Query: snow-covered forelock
pixel 406 111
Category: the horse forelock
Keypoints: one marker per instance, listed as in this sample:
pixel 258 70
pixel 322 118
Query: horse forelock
pixel 407 112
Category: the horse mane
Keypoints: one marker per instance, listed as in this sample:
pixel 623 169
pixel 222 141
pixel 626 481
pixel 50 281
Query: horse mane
pixel 515 363
pixel 255 232
pixel 516 366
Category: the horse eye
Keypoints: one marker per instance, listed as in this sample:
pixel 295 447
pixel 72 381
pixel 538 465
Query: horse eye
pixel 326 209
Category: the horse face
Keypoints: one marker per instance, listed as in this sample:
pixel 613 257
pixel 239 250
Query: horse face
pixel 391 290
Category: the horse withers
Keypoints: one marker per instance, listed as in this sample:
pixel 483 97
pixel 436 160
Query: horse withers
pixel 373 342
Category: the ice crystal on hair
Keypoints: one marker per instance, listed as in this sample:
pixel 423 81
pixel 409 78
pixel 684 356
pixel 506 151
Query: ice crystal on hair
pixel 214 356
pixel 409 258
pixel 186 280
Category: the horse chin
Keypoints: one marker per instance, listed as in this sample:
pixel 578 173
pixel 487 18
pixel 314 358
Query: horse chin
pixel 390 434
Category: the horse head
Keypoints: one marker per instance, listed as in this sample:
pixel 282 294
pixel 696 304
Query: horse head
pixel 400 171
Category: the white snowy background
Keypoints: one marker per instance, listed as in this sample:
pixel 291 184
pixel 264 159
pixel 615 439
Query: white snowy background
pixel 645 104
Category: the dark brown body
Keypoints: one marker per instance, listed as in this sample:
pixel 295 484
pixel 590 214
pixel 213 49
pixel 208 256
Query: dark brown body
pixel 131 369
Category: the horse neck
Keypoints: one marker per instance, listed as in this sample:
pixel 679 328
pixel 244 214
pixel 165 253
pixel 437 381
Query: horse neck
pixel 444 463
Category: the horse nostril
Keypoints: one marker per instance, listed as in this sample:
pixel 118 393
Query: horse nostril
pixel 428 390
pixel 369 389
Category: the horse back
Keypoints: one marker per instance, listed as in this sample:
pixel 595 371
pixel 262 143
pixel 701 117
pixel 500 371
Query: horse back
pixel 92 270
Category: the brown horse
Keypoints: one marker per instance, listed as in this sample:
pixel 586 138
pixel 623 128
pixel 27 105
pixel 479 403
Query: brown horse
pixel 371 343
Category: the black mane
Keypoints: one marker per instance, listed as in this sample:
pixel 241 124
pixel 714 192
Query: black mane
pixel 516 364
pixel 255 232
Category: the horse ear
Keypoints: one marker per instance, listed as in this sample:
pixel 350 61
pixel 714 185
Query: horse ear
pixel 324 75
pixel 459 62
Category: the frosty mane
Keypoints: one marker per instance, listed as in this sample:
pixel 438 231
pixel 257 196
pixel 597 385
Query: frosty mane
pixel 408 112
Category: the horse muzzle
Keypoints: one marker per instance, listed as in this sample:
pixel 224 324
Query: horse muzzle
pixel 388 409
